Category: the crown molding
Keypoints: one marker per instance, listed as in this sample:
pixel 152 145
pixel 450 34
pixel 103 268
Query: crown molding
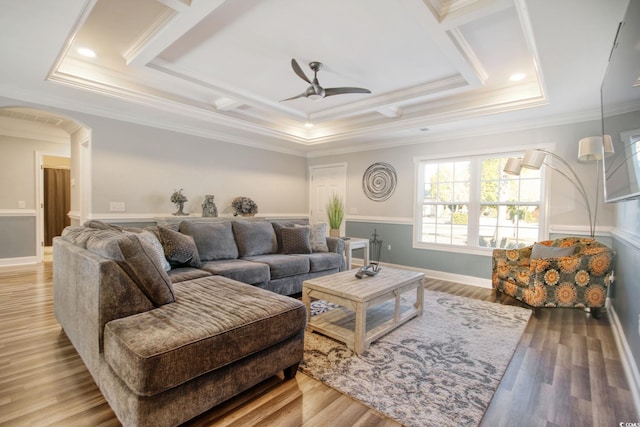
pixel 138 46
pixel 483 130
pixel 422 91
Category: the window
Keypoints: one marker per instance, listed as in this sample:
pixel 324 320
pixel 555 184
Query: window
pixel 471 202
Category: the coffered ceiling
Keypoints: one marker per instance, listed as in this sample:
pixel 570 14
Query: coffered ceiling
pixel 222 68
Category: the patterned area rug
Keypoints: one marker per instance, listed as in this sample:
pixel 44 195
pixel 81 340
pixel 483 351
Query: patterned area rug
pixel 439 369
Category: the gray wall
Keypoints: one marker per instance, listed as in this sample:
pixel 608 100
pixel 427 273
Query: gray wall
pixel 393 218
pixel 18 236
pixel 625 291
pixel 624 294
pixel 17 168
pixel 18 183
pixel 142 166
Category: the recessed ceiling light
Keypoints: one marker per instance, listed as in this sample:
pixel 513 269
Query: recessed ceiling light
pixel 86 52
pixel 308 125
pixel 517 77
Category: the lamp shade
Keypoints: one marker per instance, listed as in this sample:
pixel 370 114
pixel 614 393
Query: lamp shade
pixel 533 159
pixel 593 148
pixel 513 166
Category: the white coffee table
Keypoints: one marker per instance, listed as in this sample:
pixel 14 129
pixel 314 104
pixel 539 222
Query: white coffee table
pixel 369 307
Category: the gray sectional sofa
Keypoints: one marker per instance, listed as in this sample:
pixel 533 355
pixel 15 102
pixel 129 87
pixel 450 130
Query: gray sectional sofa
pixel 171 321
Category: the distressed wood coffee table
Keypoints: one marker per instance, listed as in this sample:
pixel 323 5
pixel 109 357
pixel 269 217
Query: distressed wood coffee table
pixel 369 307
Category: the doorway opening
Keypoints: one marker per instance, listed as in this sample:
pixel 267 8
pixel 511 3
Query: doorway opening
pixel 56 196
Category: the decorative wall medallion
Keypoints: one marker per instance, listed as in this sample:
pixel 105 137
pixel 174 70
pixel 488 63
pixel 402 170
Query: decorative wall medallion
pixel 379 181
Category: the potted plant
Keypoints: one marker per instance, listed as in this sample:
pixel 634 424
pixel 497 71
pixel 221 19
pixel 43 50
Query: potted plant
pixel 335 212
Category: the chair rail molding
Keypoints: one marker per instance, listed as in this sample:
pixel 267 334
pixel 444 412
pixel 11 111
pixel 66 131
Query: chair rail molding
pixel 17 212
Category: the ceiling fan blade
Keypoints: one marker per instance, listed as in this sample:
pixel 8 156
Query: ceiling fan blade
pixel 303 94
pixel 340 90
pixel 298 70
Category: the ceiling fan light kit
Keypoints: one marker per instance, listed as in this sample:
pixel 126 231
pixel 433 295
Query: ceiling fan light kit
pixel 315 92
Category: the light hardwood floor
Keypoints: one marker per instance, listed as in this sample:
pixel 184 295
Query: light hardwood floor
pixel 566 371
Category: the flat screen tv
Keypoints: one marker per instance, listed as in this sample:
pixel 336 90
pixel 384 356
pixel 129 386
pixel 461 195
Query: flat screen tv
pixel 620 94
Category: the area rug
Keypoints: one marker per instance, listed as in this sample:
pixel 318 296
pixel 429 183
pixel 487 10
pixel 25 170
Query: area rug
pixel 440 369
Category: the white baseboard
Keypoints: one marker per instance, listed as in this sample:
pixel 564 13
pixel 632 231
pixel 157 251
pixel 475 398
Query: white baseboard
pixel 626 357
pixel 439 275
pixel 27 260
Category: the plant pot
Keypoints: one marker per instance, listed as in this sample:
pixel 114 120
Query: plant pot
pixel 334 232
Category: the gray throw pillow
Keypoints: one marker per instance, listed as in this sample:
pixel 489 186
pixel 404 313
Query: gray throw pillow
pixel 153 241
pixel 296 240
pixel 542 251
pixel 179 249
pixel 318 237
pixel 138 260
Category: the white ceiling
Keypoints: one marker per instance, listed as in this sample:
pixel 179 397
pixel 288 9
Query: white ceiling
pixel 220 68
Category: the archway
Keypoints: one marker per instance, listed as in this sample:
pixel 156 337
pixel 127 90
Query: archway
pixel 27 137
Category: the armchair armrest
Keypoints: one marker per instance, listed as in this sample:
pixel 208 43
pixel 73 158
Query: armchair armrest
pixel 505 260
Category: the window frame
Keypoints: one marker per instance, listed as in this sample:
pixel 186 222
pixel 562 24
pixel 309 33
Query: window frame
pixel 475 202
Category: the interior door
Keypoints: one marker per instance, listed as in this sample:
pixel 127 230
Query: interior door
pixel 325 181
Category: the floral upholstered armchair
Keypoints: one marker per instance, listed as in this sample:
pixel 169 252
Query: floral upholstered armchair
pixel 567 272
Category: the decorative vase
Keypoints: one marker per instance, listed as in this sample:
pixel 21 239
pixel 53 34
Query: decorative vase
pixel 334 232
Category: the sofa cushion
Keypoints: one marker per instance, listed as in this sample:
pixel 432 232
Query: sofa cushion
pixel 137 259
pixel 179 249
pixel 321 261
pixel 543 251
pixel 214 239
pixel 318 237
pixel 79 235
pixel 239 269
pixel 101 225
pixel 214 322
pixel 255 238
pixel 296 240
pixel 282 265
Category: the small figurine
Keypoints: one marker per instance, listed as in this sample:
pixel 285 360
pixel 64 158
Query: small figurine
pixel 209 207
pixel 178 199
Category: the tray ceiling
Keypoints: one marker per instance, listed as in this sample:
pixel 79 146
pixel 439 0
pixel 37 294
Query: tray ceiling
pixel 222 68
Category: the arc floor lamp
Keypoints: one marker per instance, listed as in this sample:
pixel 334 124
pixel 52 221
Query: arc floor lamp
pixel 593 148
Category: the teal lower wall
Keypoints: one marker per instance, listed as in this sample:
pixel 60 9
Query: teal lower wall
pixel 400 237
pixel 624 293
pixel 17 234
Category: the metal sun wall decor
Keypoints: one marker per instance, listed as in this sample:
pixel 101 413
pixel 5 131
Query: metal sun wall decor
pixel 379 181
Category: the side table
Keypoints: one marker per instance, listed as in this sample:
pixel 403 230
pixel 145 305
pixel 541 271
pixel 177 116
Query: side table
pixel 356 243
